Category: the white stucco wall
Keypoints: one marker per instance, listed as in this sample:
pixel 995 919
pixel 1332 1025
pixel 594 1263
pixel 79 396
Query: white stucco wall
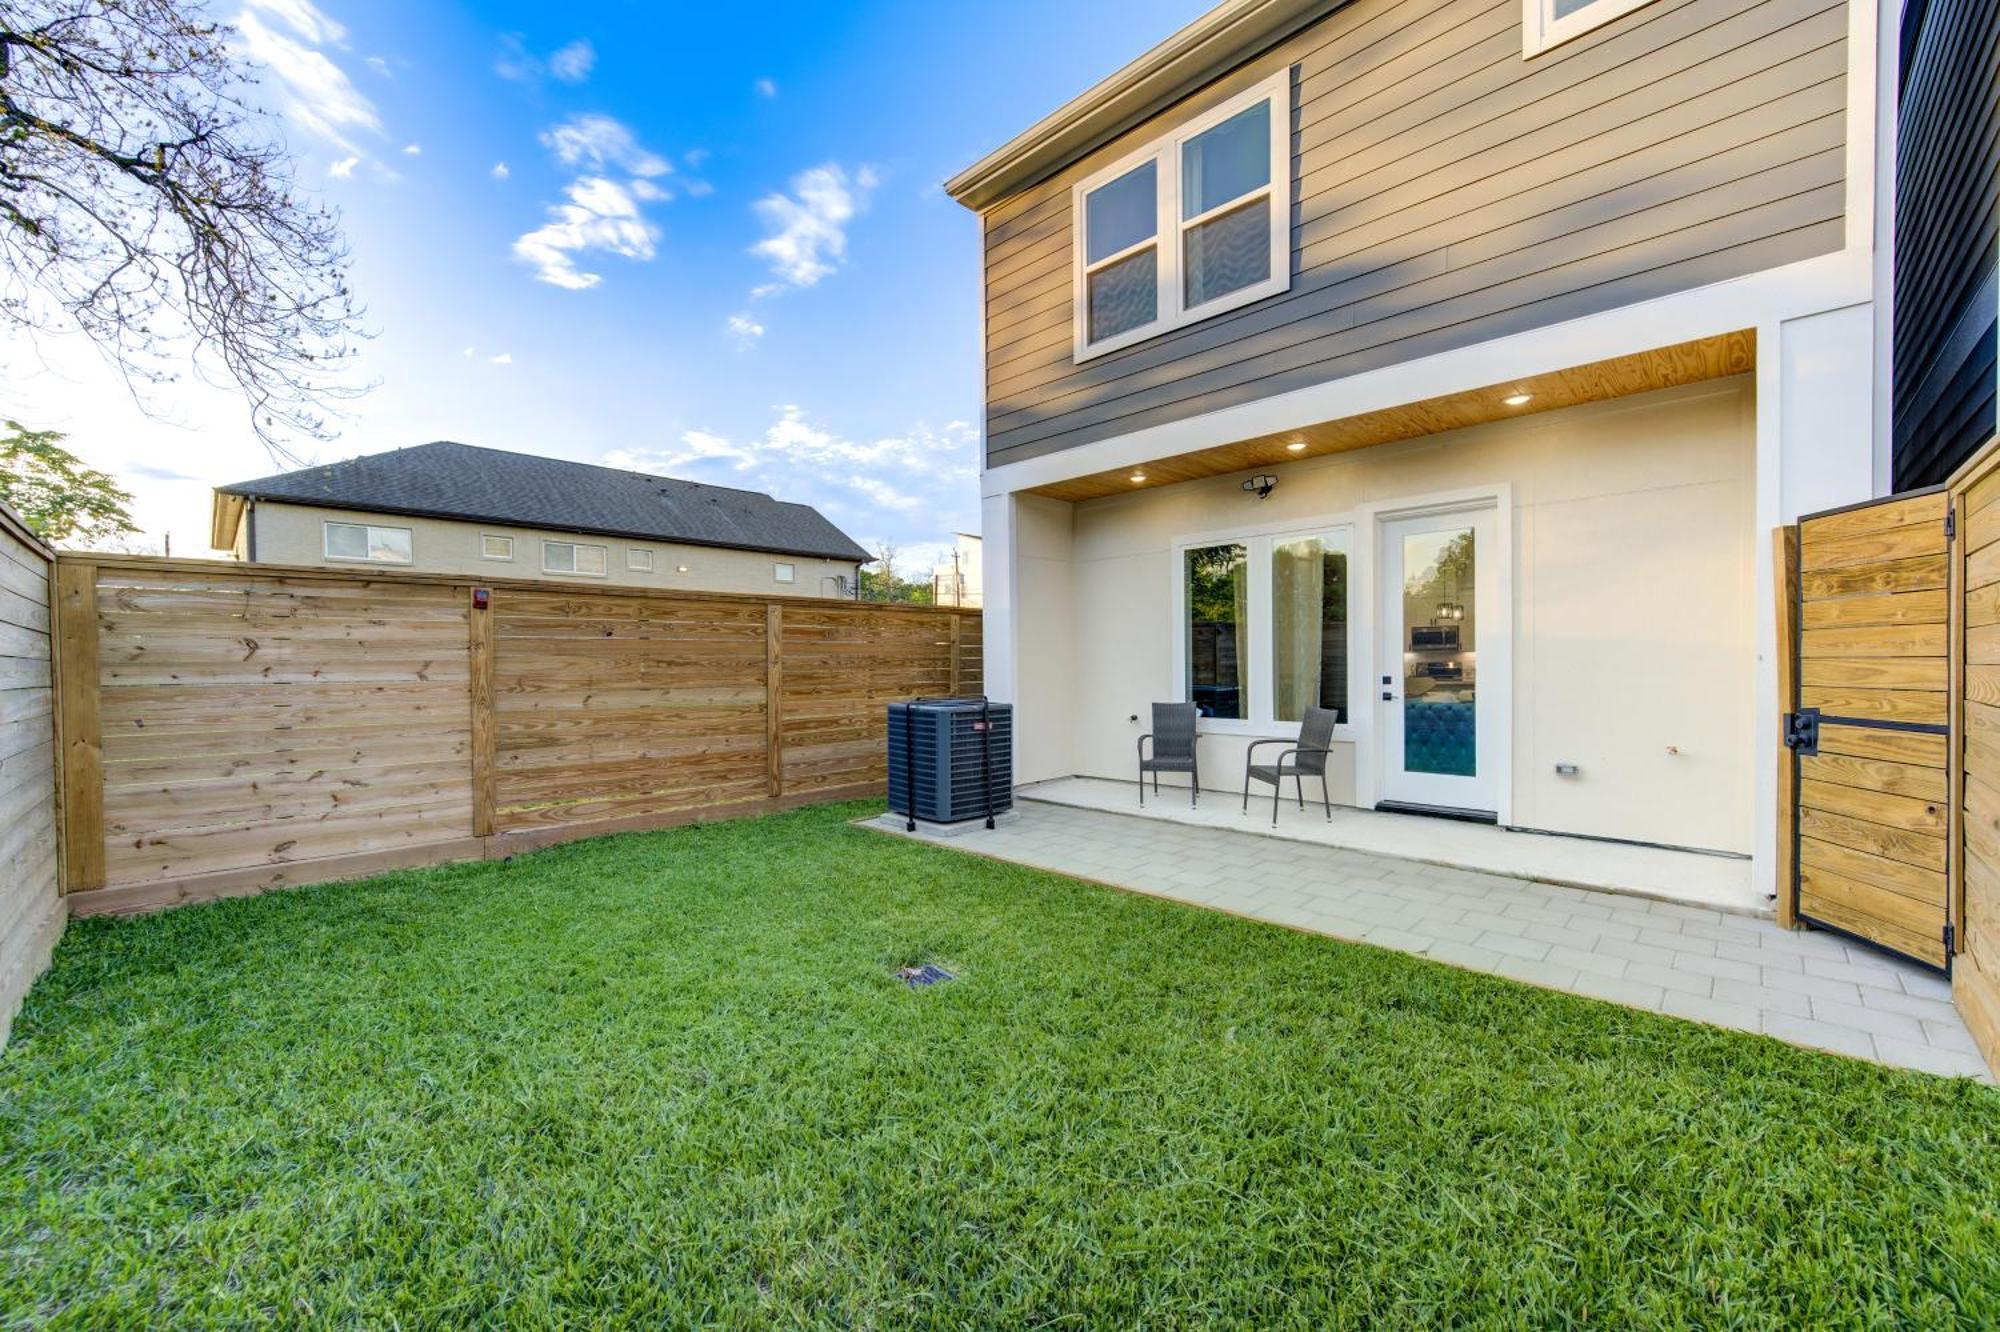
pixel 1634 550
pixel 294 534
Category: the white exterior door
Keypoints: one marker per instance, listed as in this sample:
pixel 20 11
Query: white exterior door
pixel 1442 744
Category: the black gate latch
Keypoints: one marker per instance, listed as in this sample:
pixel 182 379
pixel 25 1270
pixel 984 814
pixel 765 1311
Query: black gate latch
pixel 1802 731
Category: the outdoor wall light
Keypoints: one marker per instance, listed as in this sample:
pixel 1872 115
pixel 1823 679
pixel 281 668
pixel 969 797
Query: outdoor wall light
pixel 1261 486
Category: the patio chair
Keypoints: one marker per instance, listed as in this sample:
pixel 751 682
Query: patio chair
pixel 1173 738
pixel 1305 758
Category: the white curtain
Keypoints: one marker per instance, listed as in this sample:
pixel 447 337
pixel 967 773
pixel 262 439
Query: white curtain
pixel 1298 591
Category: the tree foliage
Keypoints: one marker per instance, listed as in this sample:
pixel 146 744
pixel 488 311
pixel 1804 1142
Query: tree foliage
pixel 145 203
pixel 61 499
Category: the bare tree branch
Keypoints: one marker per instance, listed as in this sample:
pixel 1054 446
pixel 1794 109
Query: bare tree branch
pixel 144 203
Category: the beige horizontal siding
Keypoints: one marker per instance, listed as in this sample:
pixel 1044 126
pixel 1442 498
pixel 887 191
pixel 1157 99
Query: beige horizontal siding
pixel 1447 191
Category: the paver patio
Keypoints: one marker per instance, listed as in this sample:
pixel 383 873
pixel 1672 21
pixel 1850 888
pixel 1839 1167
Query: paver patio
pixel 1732 970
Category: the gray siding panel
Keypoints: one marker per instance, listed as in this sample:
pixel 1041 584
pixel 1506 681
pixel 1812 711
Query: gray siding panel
pixel 1447 192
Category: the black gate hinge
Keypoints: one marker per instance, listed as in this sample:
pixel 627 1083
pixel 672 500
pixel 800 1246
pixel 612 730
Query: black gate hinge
pixel 1951 524
pixel 1802 731
pixel 1950 939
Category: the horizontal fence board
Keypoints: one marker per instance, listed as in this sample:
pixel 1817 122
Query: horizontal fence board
pixel 254 723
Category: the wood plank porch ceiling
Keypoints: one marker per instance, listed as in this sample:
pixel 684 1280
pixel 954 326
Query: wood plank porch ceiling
pixel 1642 372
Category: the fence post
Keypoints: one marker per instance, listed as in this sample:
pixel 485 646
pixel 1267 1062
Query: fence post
pixel 774 692
pixel 957 654
pixel 1785 572
pixel 82 747
pixel 479 639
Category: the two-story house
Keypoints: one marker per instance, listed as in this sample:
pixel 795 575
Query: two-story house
pixel 1448 363
pixel 485 513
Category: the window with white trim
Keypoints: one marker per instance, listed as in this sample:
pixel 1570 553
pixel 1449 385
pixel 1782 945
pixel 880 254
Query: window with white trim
pixel 368 544
pixel 496 547
pixel 784 573
pixel 1194 224
pixel 638 561
pixel 1263 627
pixel 1547 23
pixel 574 557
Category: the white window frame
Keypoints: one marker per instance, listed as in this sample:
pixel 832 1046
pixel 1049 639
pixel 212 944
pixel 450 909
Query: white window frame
pixel 572 571
pixel 638 560
pixel 784 571
pixel 368 529
pixel 1541 29
pixel 1169 231
pixel 1258 540
pixel 486 554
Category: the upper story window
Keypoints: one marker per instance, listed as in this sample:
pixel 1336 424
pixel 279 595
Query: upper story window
pixel 573 557
pixel 369 543
pixel 1194 224
pixel 496 547
pixel 1547 23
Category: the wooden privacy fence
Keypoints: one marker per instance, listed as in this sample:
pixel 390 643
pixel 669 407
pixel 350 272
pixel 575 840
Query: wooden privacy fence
pixel 31 914
pixel 228 728
pixel 1889 677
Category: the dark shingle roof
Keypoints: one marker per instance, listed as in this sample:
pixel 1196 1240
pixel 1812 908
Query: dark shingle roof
pixel 446 480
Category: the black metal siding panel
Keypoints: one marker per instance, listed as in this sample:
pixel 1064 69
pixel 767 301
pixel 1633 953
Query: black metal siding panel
pixel 1947 228
pixel 1446 192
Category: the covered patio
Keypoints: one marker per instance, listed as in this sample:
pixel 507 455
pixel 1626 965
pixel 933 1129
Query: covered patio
pixel 1669 932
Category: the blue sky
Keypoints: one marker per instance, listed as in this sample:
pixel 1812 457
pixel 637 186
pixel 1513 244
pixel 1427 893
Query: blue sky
pixel 677 237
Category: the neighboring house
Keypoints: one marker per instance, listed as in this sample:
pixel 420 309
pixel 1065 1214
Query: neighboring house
pixel 453 508
pixel 956 579
pixel 1448 364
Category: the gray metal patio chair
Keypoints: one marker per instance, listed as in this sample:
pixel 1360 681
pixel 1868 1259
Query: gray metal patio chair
pixel 1173 738
pixel 1306 757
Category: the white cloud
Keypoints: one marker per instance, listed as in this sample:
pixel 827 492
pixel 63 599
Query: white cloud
pixel 911 488
pixel 808 228
pixel 599 142
pixel 467 352
pixel 413 150
pixel 500 171
pixel 344 168
pixel 696 158
pixel 380 66
pixel 304 19
pixel 600 215
pixel 572 64
pixel 504 358
pixel 766 87
pixel 312 91
pixel 697 189
pixel 744 330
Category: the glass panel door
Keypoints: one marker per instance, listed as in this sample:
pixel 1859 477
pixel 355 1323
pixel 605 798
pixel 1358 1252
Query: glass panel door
pixel 1437 749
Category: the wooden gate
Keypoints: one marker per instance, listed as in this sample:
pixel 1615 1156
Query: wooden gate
pixel 1870 724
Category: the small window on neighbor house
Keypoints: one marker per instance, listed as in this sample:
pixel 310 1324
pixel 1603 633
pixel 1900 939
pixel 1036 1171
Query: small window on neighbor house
pixel 496 548
pixel 638 561
pixel 1547 23
pixel 784 573
pixel 1194 224
pixel 572 557
pixel 366 542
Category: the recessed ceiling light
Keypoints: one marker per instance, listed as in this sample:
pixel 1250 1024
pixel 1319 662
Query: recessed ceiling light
pixel 1518 399
pixel 1296 446
pixel 1138 478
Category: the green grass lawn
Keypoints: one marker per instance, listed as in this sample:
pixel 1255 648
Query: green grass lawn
pixel 668 1080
